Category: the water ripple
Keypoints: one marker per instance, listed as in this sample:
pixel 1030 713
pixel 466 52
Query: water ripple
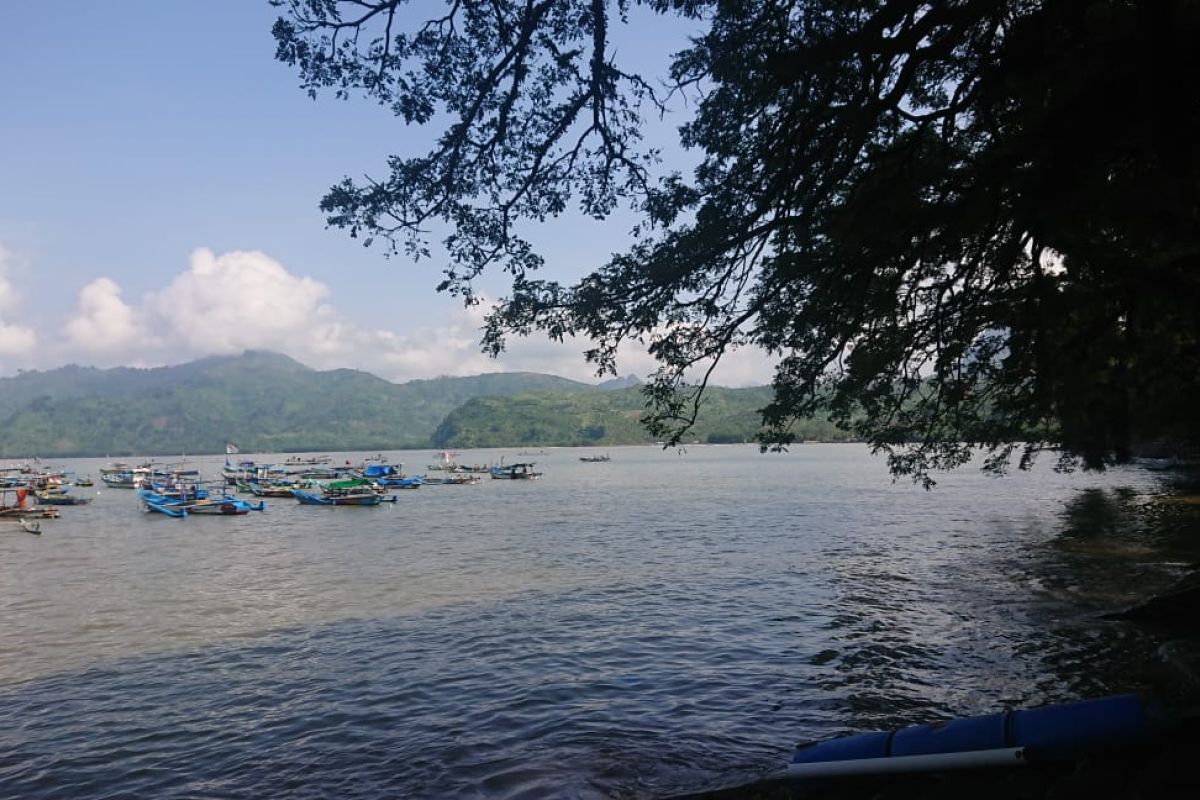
pixel 641 630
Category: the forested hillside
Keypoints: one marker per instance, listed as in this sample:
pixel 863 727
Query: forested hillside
pixel 264 402
pixel 598 419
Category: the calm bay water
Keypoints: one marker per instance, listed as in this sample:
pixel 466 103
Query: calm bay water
pixel 660 623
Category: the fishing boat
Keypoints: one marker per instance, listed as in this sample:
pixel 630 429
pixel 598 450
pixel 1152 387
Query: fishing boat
pixel 232 473
pixel 57 496
pixel 14 505
pixel 223 505
pixel 293 461
pixel 119 475
pixel 352 492
pixel 308 498
pixel 594 459
pixel 389 476
pixel 521 471
pixel 269 489
pixel 452 479
pixel 448 463
pixel 84 482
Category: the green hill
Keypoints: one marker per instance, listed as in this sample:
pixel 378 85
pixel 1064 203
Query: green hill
pixel 602 418
pixel 265 402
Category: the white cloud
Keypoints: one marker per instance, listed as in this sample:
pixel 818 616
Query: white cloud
pixel 230 302
pixel 103 323
pixel 16 341
pixel 235 301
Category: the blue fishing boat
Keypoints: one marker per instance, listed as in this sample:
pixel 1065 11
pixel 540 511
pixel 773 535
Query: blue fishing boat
pixel 318 499
pixel 390 476
pixel 351 492
pixel 223 505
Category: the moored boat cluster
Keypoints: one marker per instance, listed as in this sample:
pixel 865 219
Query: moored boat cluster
pixel 29 493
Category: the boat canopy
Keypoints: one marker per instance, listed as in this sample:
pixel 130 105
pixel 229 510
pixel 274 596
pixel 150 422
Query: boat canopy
pixel 351 483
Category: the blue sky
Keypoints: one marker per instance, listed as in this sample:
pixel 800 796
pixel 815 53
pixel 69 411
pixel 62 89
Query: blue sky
pixel 159 180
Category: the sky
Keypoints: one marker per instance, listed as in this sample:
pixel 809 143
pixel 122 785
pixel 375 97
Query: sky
pixel 159 180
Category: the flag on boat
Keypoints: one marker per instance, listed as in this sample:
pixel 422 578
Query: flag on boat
pixel 231 449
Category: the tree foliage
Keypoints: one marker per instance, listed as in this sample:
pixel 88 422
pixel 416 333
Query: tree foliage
pixel 958 224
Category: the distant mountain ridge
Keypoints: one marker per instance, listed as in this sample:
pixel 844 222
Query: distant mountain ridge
pixel 266 402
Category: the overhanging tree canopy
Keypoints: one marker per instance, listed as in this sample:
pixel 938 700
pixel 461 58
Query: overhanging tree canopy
pixel 956 224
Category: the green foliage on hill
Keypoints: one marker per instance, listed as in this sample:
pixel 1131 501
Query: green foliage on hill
pixel 267 402
pixel 604 418
pixel 264 402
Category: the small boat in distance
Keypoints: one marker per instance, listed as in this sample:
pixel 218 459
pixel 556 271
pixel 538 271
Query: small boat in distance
pixel 594 459
pixel 293 461
pixel 449 464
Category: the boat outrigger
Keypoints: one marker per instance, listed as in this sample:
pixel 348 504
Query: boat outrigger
pixel 182 506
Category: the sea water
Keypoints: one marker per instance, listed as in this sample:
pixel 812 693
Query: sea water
pixel 664 622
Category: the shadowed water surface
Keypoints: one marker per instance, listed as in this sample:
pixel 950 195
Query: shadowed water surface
pixel 651 625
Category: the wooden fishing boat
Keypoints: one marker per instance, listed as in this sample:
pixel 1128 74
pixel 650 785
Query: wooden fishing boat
pixel 59 497
pixel 307 460
pixel 352 492
pixel 15 505
pixel 368 498
pixel 260 489
pixel 448 463
pixel 389 476
pixel 522 471
pixel 223 505
pixel 119 475
pixel 453 479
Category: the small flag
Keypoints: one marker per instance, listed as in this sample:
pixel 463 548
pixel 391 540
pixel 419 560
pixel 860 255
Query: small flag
pixel 231 448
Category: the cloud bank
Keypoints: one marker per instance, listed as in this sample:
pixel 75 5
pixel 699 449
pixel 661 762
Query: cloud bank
pixel 223 304
pixel 16 341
